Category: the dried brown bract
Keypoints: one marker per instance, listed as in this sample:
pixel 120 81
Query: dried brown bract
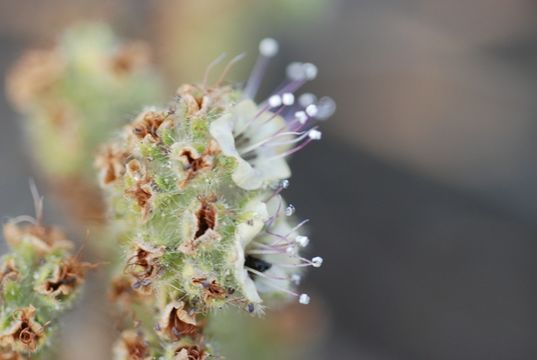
pixel 25 333
pixel 142 192
pixel 198 99
pixel 147 125
pixel 66 278
pixel 32 76
pixel 129 57
pixel 144 265
pixel 193 352
pixel 204 224
pixel 9 272
pixel 122 291
pixel 131 346
pixel 194 98
pixel 111 163
pixel 44 238
pixel 212 290
pixel 193 162
pixel 177 322
pixel 10 355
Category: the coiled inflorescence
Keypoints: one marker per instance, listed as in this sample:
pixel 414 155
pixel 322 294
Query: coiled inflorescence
pixel 39 279
pixel 75 94
pixel 196 189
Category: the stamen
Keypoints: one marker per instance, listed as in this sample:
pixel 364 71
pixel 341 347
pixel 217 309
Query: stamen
pixel 298 226
pixel 317 261
pixel 310 71
pixel 307 99
pixel 304 299
pixel 269 139
pixel 295 71
pixel 314 134
pixel 291 250
pixel 301 117
pixel 275 101
pixel 288 99
pixel 289 152
pixel 264 252
pixel 267 48
pixel 295 278
pixel 281 288
pixel 326 108
pixel 285 184
pixel 311 110
pixel 289 210
pixel 302 240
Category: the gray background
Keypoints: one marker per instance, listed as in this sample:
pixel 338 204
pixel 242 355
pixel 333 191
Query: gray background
pixel 422 194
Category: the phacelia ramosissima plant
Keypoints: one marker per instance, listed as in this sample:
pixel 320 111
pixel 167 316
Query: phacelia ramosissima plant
pixel 73 96
pixel 40 277
pixel 196 189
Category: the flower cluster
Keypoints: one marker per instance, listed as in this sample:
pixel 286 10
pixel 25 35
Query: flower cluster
pixel 196 189
pixel 77 93
pixel 39 279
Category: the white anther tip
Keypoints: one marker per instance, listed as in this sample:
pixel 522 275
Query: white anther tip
pixel 288 99
pixel 291 250
pixel 317 261
pixel 275 101
pixel 304 299
pixel 326 108
pixel 306 99
pixel 268 47
pixel 310 71
pixel 289 210
pixel 285 184
pixel 301 117
pixel 311 110
pixel 315 134
pixel 296 71
pixel 302 240
pixel 295 278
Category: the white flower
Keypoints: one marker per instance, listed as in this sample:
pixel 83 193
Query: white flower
pixel 258 141
pixel 256 215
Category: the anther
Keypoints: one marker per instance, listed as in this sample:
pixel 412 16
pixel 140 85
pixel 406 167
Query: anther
pixel 317 261
pixel 295 71
pixel 311 110
pixel 314 134
pixel 275 101
pixel 326 107
pixel 310 71
pixel 288 99
pixel 268 47
pixel 307 99
pixel 301 117
pixel 295 278
pixel 291 250
pixel 285 184
pixel 304 299
pixel 289 210
pixel 302 240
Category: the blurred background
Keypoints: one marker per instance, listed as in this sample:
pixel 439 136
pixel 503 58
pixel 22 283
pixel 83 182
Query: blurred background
pixel 423 193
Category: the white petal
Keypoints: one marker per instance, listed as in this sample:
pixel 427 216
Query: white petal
pixel 222 131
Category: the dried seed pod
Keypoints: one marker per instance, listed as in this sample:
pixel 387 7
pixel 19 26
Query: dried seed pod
pixel 40 279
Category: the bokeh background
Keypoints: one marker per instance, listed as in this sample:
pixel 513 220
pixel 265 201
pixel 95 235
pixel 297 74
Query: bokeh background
pixel 423 192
